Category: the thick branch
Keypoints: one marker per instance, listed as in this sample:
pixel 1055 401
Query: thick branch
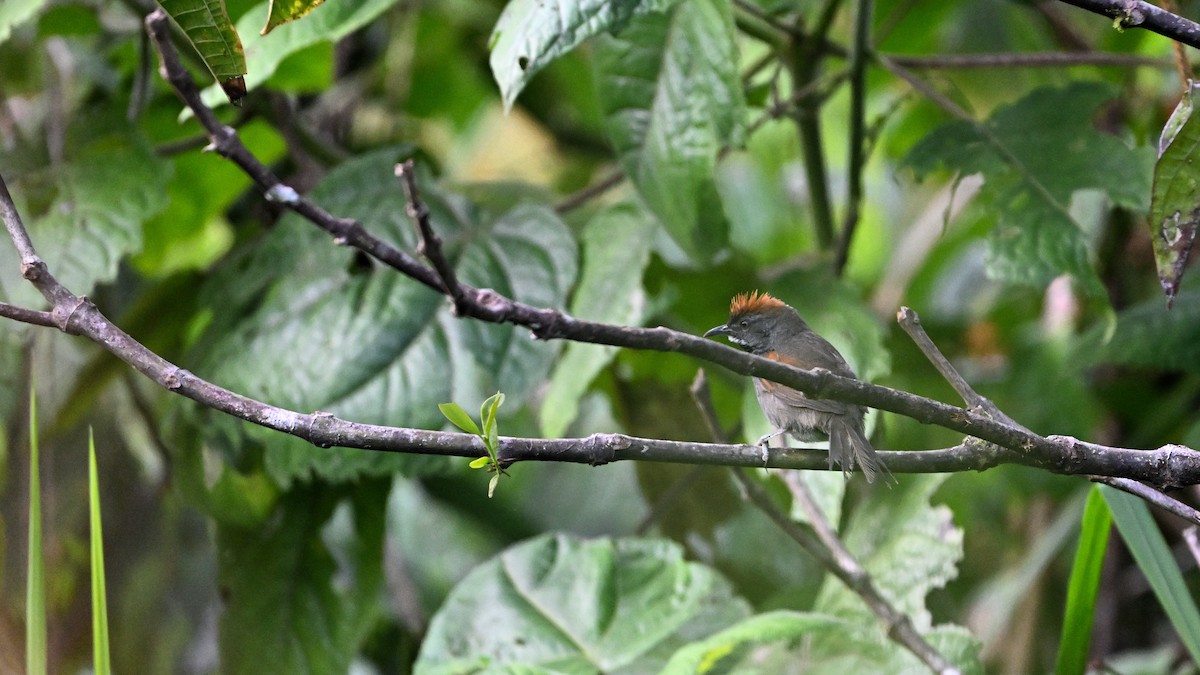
pixel 1181 466
pixel 1137 14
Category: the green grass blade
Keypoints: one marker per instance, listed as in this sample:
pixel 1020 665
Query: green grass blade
pixel 102 662
pixel 1150 550
pixel 1085 582
pixel 35 589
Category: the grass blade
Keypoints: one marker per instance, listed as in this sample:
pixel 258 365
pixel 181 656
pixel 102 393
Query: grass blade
pixel 35 585
pixel 102 661
pixel 1085 582
pixel 1150 550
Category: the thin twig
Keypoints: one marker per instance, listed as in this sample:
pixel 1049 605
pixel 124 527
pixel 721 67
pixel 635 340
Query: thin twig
pixel 702 397
pixel 430 244
pixel 911 323
pixel 25 315
pixel 758 13
pixel 806 66
pixel 863 14
pixel 834 557
pixel 984 131
pixel 225 141
pixel 574 201
pixel 1030 60
pixel 1155 497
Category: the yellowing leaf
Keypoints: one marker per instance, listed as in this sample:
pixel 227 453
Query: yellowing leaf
pixel 283 11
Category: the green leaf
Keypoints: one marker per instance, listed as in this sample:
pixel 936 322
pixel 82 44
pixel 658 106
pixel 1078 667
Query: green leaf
pixel 479 462
pixel 13 13
pixel 672 99
pixel 101 659
pixel 572 605
pixel 208 27
pixel 616 248
pixel 495 480
pixel 193 232
pixel 305 587
pixel 704 656
pixel 459 417
pixel 532 33
pixel 1083 586
pixel 283 11
pixel 1051 151
pixel 487 412
pixel 101 198
pixel 329 22
pixel 36 647
pixel 1154 558
pixel 910 548
pixel 1148 334
pixel 307 325
pixel 1175 208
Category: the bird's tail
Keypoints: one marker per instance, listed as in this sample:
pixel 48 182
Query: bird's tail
pixel 848 447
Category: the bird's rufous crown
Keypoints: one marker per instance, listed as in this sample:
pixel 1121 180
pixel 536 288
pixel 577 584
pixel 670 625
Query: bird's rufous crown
pixel 748 303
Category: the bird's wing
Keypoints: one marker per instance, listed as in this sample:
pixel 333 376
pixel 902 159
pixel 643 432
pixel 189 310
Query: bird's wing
pixel 793 397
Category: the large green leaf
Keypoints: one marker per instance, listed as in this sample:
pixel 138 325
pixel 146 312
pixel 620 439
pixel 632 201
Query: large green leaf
pixel 910 548
pixel 616 248
pixel 1150 335
pixel 568 605
pixel 92 215
pixel 304 324
pixel 208 27
pixel 303 589
pixel 15 12
pixel 1154 558
pixel 1051 150
pixel 672 99
pixel 532 33
pixel 1175 209
pixel 331 21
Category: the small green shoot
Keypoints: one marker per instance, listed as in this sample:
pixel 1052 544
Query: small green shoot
pixel 490 434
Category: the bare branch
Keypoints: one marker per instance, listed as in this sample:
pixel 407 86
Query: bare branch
pixel 1011 444
pixel 911 323
pixel 1155 497
pixel 1027 60
pixel 25 315
pixel 1138 14
pixel 431 244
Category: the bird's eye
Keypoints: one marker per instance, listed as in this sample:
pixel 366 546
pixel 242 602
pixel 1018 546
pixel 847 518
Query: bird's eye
pixel 743 323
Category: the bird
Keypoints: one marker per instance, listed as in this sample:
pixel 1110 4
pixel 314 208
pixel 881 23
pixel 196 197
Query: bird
pixel 766 326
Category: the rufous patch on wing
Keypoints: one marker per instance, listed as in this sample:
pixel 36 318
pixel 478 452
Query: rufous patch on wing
pixel 776 356
pixel 754 301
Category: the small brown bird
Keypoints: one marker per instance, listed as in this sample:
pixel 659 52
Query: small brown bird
pixel 763 325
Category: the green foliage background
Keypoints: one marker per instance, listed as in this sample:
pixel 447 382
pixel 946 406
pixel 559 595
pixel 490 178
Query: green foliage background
pixel 233 549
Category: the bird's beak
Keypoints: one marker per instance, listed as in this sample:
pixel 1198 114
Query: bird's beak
pixel 719 330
